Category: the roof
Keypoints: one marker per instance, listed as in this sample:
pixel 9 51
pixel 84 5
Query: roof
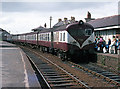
pixel 39 28
pixel 62 27
pixel 2 29
pixel 105 22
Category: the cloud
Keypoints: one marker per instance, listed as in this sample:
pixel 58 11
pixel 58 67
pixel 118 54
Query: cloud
pixel 47 7
pixel 22 17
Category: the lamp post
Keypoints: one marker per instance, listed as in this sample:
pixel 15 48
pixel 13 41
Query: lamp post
pixel 50 20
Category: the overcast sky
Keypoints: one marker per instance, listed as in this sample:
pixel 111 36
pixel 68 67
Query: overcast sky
pixel 21 17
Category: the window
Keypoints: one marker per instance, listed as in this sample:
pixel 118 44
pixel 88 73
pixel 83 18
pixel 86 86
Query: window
pixel 34 37
pixel 60 36
pixel 77 32
pixel 88 31
pixel 40 36
pixel 48 37
pixel 64 36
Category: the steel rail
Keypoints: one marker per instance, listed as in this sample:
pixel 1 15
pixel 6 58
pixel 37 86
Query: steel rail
pixel 40 72
pixel 96 74
pixel 83 84
pixel 64 71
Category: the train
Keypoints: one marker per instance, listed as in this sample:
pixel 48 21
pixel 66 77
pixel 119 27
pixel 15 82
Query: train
pixel 67 41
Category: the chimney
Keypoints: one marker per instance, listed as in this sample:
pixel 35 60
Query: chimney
pixel 59 20
pixel 89 17
pixel 65 21
pixel 72 19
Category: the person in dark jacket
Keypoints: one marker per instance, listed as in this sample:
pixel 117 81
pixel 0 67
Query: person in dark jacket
pixel 108 45
pixel 116 45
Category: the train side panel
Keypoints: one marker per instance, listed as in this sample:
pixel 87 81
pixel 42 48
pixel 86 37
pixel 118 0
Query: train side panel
pixel 44 39
pixel 31 38
pixel 60 40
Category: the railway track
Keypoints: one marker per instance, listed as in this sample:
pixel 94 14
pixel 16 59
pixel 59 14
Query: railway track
pixel 99 72
pixel 53 75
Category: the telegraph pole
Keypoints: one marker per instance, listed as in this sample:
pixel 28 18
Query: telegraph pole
pixel 50 20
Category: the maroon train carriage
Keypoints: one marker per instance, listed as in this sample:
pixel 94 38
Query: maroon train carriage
pixel 66 41
pixel 44 40
pixel 31 39
pixel 22 39
pixel 14 38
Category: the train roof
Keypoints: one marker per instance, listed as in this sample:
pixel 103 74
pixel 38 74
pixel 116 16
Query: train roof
pixel 31 33
pixel 59 28
pixel 45 30
pixel 24 34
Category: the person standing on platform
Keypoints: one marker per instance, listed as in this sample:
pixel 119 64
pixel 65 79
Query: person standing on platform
pixel 96 43
pixel 108 45
pixel 118 47
pixel 104 46
pixel 113 45
pixel 101 44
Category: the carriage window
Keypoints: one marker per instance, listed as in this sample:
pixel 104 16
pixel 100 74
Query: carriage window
pixel 88 31
pixel 48 37
pixel 40 36
pixel 63 36
pixel 45 37
pixel 60 36
pixel 34 37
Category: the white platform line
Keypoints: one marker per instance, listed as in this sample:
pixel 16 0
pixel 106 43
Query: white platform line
pixel 25 72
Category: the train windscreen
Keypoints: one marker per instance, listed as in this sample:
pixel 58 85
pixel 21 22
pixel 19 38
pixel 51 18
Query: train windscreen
pixel 80 32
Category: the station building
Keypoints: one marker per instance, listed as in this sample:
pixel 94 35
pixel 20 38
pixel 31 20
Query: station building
pixel 107 27
pixel 4 35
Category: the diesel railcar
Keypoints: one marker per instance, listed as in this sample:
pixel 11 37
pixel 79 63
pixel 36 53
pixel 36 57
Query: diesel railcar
pixel 66 41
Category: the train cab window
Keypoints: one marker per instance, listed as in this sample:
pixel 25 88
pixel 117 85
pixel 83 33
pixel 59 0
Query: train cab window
pixel 77 32
pixel 63 36
pixel 60 36
pixel 88 31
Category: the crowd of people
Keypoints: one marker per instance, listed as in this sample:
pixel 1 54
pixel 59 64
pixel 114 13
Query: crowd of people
pixel 111 46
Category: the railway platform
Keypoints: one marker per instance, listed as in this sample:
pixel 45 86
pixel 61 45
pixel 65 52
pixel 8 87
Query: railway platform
pixel 15 68
pixel 108 61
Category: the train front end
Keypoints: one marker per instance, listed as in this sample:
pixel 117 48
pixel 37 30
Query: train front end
pixel 81 37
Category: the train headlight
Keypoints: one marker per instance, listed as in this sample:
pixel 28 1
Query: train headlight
pixel 81 22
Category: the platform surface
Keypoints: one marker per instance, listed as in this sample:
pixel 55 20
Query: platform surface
pixel 15 68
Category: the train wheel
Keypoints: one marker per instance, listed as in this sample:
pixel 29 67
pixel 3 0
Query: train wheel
pixel 59 54
pixel 62 56
pixel 47 49
pixel 43 50
pixel 40 49
pixel 65 56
